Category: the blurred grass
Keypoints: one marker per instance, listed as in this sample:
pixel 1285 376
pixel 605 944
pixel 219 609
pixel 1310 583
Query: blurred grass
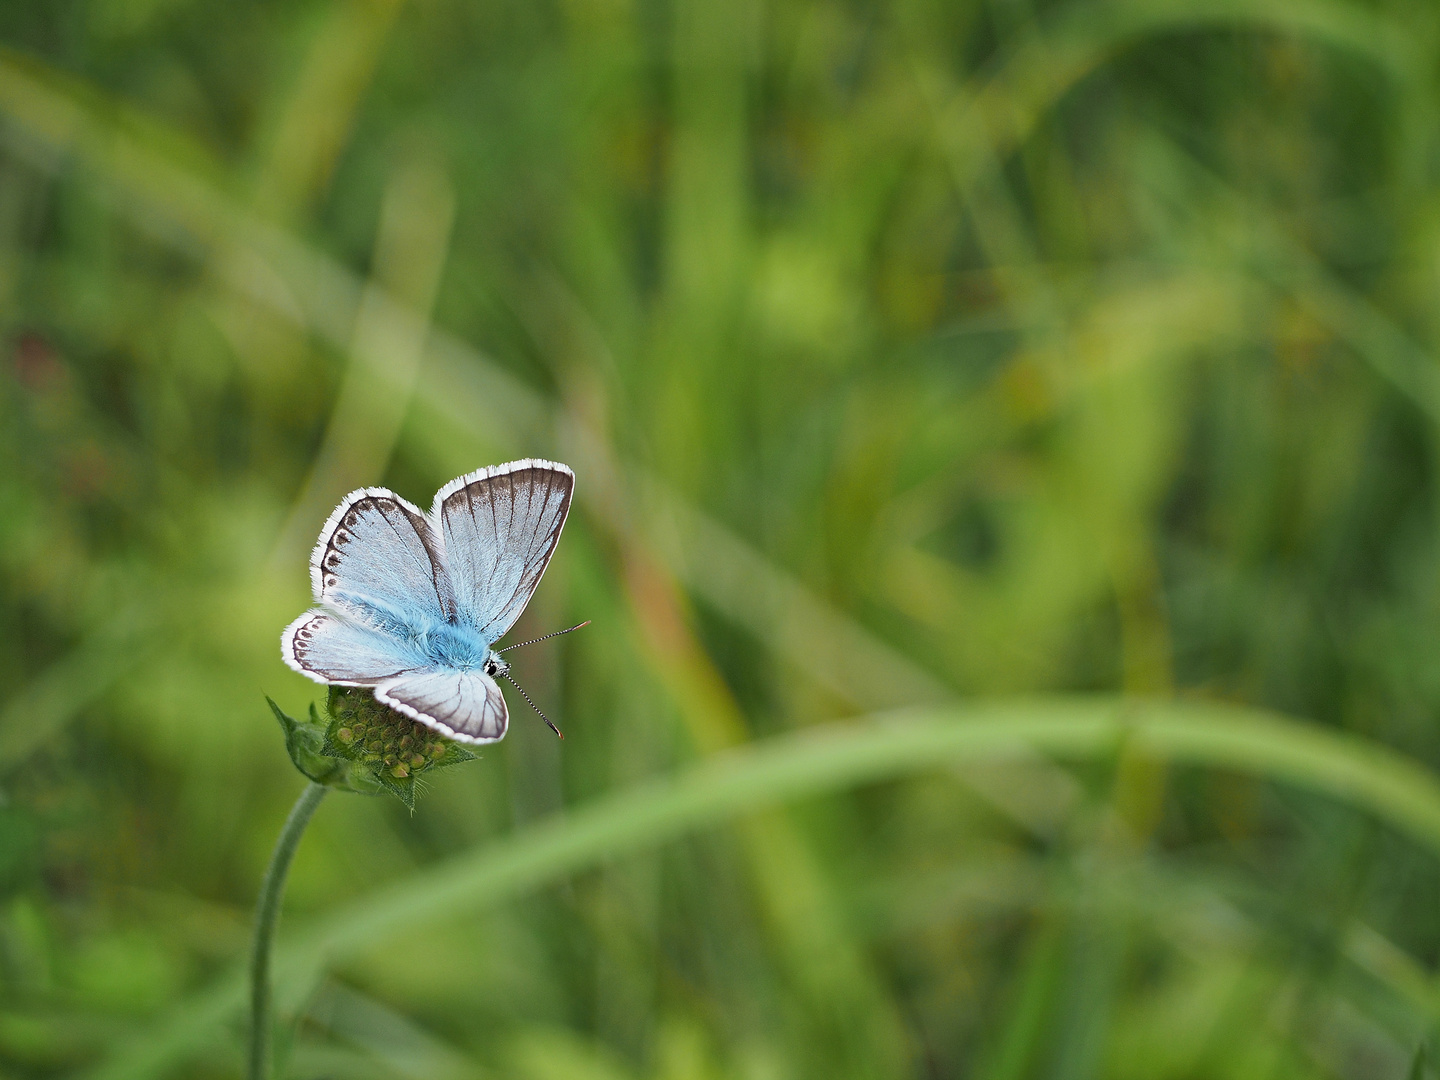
pixel 1388 786
pixel 907 354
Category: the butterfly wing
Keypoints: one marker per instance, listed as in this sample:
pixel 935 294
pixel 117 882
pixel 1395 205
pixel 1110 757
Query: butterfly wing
pixel 330 648
pixel 462 705
pixel 379 561
pixel 500 526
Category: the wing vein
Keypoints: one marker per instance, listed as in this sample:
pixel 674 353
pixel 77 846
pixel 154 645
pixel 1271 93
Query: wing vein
pixel 428 566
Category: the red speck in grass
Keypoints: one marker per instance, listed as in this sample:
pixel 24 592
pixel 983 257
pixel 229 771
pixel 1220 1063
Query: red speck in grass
pixel 37 364
pixel 87 473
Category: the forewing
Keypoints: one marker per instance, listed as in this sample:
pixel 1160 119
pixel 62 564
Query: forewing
pixel 331 649
pixel 462 705
pixel 379 560
pixel 500 526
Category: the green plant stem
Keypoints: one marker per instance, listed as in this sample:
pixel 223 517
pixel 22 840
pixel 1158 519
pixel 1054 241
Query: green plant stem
pixel 1397 790
pixel 267 915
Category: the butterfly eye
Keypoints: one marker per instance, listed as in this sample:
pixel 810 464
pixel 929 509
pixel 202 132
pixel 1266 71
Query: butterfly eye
pixel 490 668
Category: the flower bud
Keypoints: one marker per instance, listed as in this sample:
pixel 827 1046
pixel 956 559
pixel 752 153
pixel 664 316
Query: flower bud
pixel 364 746
pixel 392 748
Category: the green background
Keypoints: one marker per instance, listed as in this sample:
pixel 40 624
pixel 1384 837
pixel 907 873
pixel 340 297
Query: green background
pixel 1062 373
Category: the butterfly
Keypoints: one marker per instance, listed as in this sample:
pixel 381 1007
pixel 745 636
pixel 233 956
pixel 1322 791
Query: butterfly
pixel 412 604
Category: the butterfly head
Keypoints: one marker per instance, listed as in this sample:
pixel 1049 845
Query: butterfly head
pixel 495 666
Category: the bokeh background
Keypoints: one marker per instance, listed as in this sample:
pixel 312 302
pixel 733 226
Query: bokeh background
pixel 911 353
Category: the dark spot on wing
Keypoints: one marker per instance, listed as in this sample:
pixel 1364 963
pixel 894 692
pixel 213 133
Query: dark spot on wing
pixel 390 511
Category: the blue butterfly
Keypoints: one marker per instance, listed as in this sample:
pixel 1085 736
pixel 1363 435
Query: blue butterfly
pixel 412 603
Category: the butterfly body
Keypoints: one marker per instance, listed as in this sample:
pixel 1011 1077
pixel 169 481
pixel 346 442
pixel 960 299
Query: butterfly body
pixel 412 603
pixel 457 647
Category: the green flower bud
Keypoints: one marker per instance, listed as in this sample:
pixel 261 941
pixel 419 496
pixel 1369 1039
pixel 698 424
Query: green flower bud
pixel 365 746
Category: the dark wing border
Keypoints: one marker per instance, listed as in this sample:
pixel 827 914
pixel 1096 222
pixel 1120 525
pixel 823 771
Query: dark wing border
pixel 429 539
pixel 537 571
pixel 493 698
pixel 293 654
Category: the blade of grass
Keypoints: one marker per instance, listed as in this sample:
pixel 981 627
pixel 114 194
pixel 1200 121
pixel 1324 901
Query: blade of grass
pixel 1417 1065
pixel 457 381
pixel 318 115
pixel 411 245
pixel 1033 992
pixel 1003 109
pixel 834 978
pixel 42 707
pixel 1377 339
pixel 1372 778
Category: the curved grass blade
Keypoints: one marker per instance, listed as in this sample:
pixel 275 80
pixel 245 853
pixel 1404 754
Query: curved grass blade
pixel 999 113
pixel 1396 790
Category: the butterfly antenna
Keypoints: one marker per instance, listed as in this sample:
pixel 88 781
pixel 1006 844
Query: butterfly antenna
pixel 526 696
pixel 547 637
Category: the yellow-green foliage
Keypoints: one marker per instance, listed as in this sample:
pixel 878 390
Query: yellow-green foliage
pixel 1063 371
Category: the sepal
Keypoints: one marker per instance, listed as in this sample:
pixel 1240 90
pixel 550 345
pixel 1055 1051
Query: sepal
pixel 364 747
pixel 305 743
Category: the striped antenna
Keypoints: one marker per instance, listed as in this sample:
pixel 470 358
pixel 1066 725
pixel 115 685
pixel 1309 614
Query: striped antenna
pixel 547 637
pixel 526 696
